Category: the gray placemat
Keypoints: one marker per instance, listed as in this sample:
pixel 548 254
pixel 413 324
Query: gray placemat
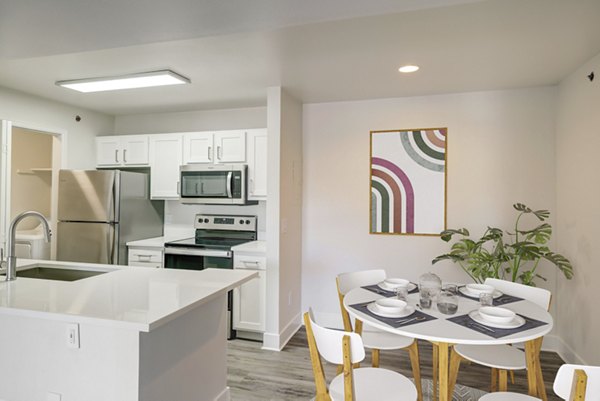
pixel 466 321
pixel 501 300
pixel 395 322
pixel 378 290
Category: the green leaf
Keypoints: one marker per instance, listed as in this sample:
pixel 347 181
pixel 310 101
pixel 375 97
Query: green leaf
pixel 561 262
pixel 446 235
pixel 540 234
pixel 522 208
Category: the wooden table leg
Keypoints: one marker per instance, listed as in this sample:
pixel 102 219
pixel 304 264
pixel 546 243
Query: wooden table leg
pixel 436 364
pixel 443 371
pixel 535 379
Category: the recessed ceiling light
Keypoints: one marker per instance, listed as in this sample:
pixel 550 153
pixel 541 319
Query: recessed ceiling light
pixel 140 80
pixel 408 68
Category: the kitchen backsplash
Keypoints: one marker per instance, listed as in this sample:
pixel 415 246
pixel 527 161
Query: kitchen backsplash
pixel 179 218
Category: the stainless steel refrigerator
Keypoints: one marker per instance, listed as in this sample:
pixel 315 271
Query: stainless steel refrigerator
pixel 99 211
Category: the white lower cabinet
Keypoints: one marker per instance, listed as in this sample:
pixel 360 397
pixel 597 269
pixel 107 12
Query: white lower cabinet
pixel 145 257
pixel 249 300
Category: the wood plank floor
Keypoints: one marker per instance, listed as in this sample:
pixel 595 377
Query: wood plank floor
pixel 257 375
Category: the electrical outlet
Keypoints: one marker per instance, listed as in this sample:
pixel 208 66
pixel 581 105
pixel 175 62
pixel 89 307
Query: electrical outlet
pixel 73 335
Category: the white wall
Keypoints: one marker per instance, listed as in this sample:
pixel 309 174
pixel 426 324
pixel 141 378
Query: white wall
pixel 22 108
pixel 500 151
pixel 578 197
pixel 252 117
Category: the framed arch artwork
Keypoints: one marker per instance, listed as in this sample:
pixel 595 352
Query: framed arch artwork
pixel 408 181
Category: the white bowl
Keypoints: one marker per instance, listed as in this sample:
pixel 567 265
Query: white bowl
pixel 495 314
pixel 478 289
pixel 396 282
pixel 390 305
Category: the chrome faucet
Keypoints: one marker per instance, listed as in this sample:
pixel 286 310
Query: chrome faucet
pixel 11 259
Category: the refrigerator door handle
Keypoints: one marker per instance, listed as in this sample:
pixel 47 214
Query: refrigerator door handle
pixel 112 255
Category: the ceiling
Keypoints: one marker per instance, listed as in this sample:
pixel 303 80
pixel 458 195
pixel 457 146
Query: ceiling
pixel 319 50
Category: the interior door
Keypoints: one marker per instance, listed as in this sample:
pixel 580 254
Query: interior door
pixel 5 172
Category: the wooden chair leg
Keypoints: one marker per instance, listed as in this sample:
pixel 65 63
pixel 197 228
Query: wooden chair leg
pixel 340 369
pixel 579 386
pixel 503 380
pixel 436 354
pixel 454 367
pixel 348 378
pixel 494 385
pixel 413 352
pixel 375 358
pixel 512 376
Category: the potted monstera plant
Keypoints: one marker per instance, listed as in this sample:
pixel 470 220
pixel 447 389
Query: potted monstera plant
pixel 513 256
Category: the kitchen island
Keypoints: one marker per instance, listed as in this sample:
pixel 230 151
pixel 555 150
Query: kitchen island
pixel 127 334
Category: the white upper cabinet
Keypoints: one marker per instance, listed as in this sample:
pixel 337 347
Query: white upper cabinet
pixel 198 147
pixel 230 146
pixel 122 150
pixel 214 147
pixel 166 151
pixel 257 164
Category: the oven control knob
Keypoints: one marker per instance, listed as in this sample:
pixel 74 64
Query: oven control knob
pixel 241 221
pixel 247 221
pixel 206 220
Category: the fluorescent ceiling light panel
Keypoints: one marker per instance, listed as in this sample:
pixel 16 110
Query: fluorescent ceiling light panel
pixel 141 80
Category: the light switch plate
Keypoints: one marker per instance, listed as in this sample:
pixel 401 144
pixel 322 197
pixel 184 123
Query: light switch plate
pixel 73 335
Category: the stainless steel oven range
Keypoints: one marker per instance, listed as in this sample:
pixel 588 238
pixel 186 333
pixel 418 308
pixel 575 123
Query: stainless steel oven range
pixel 211 247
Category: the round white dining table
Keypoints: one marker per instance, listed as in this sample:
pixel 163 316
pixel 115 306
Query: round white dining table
pixel 444 333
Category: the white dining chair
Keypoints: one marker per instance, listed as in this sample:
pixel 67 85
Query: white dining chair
pixel 501 358
pixel 373 338
pixel 353 384
pixel 572 383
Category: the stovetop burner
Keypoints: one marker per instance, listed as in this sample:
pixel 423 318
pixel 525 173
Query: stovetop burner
pixel 219 232
pixel 218 243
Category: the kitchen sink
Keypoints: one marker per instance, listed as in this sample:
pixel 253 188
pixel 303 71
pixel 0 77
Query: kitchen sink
pixel 48 272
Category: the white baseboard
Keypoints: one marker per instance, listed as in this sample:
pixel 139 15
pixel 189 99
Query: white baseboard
pixel 224 396
pixel 557 344
pixel 276 341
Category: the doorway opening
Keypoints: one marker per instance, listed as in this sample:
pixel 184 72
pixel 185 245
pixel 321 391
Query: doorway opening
pixel 30 182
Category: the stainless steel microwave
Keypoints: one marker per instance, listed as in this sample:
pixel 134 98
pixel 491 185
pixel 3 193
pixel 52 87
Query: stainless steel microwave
pixel 217 184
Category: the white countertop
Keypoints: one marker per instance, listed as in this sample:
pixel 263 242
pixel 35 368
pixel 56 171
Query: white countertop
pixel 254 247
pixel 140 299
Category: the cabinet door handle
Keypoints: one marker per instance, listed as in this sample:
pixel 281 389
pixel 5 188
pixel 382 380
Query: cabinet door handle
pixel 116 155
pixel 251 263
pixel 251 185
pixel 209 152
pixel 178 189
pixel 219 152
pixel 124 155
pixel 144 258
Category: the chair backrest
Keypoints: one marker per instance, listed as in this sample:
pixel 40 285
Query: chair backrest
pixel 538 296
pixel 566 382
pixel 348 281
pixel 329 343
pixel 338 347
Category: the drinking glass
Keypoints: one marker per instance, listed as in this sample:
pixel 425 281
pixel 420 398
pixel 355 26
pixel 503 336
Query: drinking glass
pixel 453 288
pixel 486 299
pixel 448 302
pixel 426 296
pixel 402 293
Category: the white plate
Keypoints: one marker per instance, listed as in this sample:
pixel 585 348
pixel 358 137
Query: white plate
pixel 409 310
pixel 518 321
pixel 384 286
pixel 468 293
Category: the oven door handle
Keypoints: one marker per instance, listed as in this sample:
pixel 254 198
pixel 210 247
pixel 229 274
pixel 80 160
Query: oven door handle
pixel 198 252
pixel 229 184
